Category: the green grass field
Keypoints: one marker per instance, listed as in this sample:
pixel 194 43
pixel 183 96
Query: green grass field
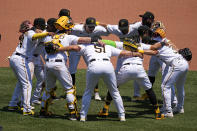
pixel 139 115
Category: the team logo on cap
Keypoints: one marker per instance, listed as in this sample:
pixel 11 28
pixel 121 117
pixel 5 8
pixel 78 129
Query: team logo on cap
pixel 92 21
pixel 122 23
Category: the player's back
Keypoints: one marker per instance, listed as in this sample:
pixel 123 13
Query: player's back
pixel 97 52
pixel 167 54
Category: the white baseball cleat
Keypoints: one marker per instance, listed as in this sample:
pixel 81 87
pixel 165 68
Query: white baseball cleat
pixel 122 118
pixel 82 119
pixel 168 114
pixel 97 97
pixel 178 110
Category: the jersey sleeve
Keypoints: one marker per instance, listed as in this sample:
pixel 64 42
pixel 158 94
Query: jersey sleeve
pixel 145 46
pixel 111 28
pixel 30 34
pixel 137 25
pixel 119 45
pixel 101 31
pixel 115 51
pixel 82 48
pixel 73 39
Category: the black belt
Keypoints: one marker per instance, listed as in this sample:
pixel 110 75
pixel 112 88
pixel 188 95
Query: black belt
pixel 56 60
pixel 18 54
pixel 104 59
pixel 132 64
pixel 36 55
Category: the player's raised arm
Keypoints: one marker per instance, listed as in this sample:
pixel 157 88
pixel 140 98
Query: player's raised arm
pixel 126 53
pixel 70 48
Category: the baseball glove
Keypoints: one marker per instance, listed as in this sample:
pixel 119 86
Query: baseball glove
pixel 25 26
pixel 51 48
pixel 186 53
pixel 159 29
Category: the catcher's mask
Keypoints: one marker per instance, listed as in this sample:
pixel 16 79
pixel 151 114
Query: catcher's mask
pixel 130 45
pixel 63 23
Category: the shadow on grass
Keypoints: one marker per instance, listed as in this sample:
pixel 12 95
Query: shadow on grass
pixel 5 109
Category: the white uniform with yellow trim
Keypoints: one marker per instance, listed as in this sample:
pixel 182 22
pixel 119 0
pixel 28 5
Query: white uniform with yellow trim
pixel 113 29
pixel 133 33
pixel 154 65
pixel 176 75
pixel 132 69
pixel 56 68
pixel 99 66
pixel 80 31
pixel 38 71
pixel 20 62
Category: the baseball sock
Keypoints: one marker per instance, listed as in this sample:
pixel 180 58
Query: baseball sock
pixel 152 79
pixel 73 78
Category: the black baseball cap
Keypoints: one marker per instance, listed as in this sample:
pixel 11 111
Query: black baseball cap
pixel 123 24
pixel 90 21
pixel 148 15
pixel 64 12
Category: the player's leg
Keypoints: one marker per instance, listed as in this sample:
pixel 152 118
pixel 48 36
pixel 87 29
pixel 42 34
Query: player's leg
pixel 91 81
pixel 24 77
pixel 180 87
pixel 63 75
pixel 39 74
pixel 13 104
pixel 174 100
pixel 167 83
pixel 110 80
pixel 143 80
pixel 136 95
pixel 122 77
pixel 47 96
pixel 74 58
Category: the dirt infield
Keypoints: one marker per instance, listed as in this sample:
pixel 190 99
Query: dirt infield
pixel 179 17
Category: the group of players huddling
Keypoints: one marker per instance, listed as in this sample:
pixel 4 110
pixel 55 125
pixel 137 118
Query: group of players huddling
pixel 43 50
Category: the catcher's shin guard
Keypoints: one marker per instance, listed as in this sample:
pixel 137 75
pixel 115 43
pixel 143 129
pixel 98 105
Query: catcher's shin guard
pixel 104 112
pixel 72 102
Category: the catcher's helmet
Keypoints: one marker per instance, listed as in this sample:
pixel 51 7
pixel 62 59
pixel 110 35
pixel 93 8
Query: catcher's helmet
pixel 63 23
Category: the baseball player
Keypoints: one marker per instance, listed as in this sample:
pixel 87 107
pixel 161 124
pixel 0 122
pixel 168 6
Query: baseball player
pixel 132 69
pixel 20 61
pixel 125 30
pixel 89 29
pixel 154 65
pixel 176 74
pixel 62 12
pixel 99 66
pixel 56 67
pixel 39 63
